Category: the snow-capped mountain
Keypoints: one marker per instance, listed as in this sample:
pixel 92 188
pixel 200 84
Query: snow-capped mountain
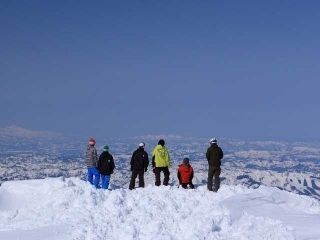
pixel 289 166
pixel 15 133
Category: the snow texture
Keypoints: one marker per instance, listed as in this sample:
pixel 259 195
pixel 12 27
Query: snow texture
pixel 70 208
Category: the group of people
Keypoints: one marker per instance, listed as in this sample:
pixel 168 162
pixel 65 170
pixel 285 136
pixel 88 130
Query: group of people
pixel 103 166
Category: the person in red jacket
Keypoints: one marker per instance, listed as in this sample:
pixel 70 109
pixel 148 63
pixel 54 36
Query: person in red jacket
pixel 185 174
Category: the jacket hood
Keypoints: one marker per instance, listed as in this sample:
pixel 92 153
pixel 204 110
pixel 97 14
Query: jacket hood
pixel 159 147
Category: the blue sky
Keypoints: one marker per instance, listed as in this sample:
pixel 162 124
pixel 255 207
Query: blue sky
pixel 240 69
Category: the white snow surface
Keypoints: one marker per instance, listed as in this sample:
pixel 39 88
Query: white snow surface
pixel 58 208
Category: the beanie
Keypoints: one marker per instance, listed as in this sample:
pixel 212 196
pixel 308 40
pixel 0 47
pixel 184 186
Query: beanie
pixel 186 160
pixel 161 142
pixel 106 148
pixel 213 140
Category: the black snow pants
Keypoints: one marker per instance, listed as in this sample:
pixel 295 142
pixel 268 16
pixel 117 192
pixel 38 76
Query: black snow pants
pixel 134 175
pixel 214 172
pixel 166 173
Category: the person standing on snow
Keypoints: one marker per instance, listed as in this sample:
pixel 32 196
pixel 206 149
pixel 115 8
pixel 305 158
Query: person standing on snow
pixel 91 162
pixel 105 166
pixel 139 164
pixel 214 155
pixel 185 174
pixel 161 163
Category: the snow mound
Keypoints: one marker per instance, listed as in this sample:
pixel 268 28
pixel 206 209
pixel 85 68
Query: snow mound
pixel 57 208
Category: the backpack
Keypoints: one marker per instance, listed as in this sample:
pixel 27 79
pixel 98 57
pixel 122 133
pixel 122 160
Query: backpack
pixel 106 165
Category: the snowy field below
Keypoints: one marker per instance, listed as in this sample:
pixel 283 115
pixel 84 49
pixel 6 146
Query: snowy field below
pixel 57 208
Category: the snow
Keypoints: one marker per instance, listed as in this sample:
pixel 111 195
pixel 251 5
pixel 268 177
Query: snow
pixel 58 208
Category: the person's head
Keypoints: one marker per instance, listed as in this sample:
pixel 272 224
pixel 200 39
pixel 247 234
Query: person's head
pixel 161 142
pixel 92 142
pixel 186 160
pixel 106 148
pixel 213 141
pixel 141 145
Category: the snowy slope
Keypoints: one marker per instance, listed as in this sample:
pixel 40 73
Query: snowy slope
pixel 57 208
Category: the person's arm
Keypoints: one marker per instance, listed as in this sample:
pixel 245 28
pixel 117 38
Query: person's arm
pixel 99 163
pixel 112 164
pixel 131 162
pixel 179 176
pixel 146 162
pixel 221 153
pixel 191 175
pixel 169 160
pixel 153 162
pixel 208 155
pixel 95 156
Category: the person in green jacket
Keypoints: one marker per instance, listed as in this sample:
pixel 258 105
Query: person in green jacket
pixel 161 163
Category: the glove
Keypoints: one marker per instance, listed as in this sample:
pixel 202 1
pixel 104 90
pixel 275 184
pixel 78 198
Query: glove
pixel 145 170
pixel 154 170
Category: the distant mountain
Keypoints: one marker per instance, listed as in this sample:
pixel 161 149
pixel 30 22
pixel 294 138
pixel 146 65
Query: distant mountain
pixel 14 132
pixel 169 137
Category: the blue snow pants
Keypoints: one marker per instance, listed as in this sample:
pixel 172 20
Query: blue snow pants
pixel 93 176
pixel 105 179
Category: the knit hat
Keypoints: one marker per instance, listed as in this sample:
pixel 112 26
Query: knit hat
pixel 213 140
pixel 106 148
pixel 92 141
pixel 142 144
pixel 186 160
pixel 161 142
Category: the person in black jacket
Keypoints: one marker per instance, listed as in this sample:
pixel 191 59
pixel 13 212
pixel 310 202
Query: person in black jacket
pixel 139 164
pixel 214 155
pixel 105 167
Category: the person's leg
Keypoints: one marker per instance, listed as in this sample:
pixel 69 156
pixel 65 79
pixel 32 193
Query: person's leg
pixel 217 179
pixel 191 185
pixel 103 182
pixel 210 177
pixel 107 181
pixel 96 175
pixel 141 178
pixel 90 175
pixel 157 176
pixel 184 185
pixel 133 180
pixel 166 176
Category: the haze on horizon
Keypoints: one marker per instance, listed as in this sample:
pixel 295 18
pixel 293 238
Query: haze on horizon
pixel 236 69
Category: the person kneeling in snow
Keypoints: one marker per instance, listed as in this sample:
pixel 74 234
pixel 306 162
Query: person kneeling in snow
pixel 105 167
pixel 91 162
pixel 185 174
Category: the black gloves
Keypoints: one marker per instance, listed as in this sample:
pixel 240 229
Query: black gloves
pixel 146 169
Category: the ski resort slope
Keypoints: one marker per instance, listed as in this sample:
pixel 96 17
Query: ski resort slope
pixel 57 208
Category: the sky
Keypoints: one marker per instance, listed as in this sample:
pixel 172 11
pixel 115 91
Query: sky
pixel 235 69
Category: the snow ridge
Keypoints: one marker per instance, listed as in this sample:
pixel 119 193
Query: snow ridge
pixel 73 209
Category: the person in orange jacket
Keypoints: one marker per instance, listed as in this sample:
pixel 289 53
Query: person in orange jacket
pixel 185 174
